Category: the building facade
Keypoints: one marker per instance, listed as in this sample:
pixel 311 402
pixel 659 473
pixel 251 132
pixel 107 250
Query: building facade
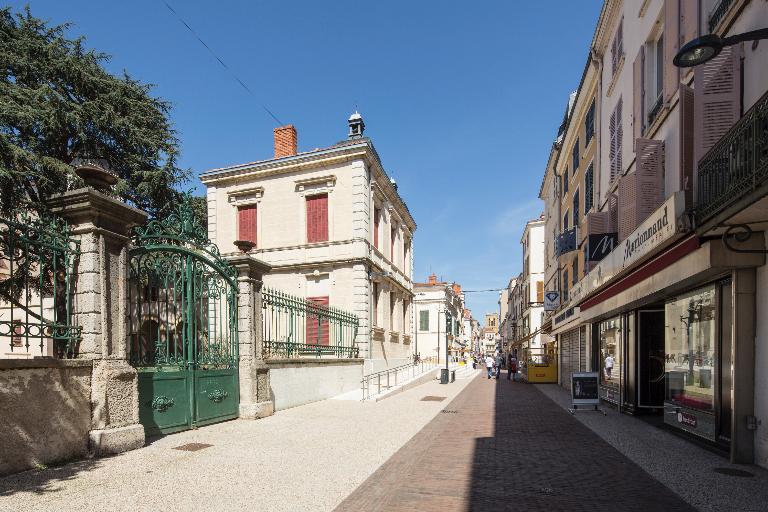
pixel 661 296
pixel 439 311
pixel 334 229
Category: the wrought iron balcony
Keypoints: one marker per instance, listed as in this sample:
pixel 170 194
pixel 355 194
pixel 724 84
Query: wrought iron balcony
pixel 735 166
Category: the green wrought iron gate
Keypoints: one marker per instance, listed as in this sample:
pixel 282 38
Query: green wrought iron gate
pixel 183 325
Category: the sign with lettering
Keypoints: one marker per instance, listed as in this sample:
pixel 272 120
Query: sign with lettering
pixel 600 246
pixel 658 229
pixel 551 300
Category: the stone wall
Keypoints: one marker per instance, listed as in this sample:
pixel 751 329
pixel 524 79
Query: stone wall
pixel 296 382
pixel 45 412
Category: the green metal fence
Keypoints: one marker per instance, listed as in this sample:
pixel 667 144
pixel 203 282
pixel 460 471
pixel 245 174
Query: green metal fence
pixel 37 260
pixel 297 327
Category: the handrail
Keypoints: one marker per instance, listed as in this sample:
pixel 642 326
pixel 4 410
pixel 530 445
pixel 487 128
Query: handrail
pixel 387 379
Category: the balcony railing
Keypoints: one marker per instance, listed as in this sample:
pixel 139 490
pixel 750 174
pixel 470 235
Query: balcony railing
pixel 735 165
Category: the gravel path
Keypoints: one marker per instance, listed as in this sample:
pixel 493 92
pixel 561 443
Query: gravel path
pixel 306 458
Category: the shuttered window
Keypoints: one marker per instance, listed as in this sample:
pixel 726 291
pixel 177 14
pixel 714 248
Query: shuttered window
pixel 671 44
pixel 317 321
pixel 575 208
pixel 589 124
pixel 575 157
pixel 423 320
pixel 617 47
pixel 246 223
pixel 616 132
pixel 540 291
pixel 589 188
pixel 717 103
pixel 317 218
pixel 376 226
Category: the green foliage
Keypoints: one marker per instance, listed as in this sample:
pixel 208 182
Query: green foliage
pixel 58 102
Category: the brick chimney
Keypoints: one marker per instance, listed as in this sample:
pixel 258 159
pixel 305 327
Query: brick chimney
pixel 432 279
pixel 285 141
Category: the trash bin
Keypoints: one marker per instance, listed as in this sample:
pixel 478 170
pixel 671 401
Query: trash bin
pixel 444 376
pixel 705 378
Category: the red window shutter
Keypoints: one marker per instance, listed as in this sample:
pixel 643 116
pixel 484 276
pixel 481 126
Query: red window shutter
pixel 638 93
pixel 246 223
pixel 671 45
pixel 317 321
pixel 317 218
pixel 650 177
pixel 686 143
pixel 627 205
pixel 376 224
pixel 716 98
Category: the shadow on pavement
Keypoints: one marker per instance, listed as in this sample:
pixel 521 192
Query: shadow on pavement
pixel 541 458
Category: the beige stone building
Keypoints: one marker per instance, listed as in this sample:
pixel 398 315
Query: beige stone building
pixel 333 227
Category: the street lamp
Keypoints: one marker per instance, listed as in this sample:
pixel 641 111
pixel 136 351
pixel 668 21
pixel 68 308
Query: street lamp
pixel 709 46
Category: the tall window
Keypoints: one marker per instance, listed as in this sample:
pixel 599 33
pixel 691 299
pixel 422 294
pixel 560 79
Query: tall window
pixel 589 124
pixel 375 293
pixel 576 269
pixel 424 320
pixel 575 208
pixel 392 301
pixel 565 284
pixel 575 157
pixel 565 221
pixel 376 226
pixel 392 239
pixel 616 135
pixel 565 180
pixel 617 47
pixel 406 255
pixel 589 188
pixel 246 223
pixel 654 83
pixel 317 218
pixel 405 317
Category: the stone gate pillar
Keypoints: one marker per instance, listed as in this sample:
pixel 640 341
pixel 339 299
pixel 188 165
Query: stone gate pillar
pixel 103 225
pixel 255 396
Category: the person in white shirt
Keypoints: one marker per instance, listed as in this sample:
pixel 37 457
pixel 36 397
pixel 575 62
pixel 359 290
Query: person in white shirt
pixel 489 364
pixel 608 366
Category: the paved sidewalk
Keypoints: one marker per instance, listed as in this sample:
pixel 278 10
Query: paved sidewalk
pixel 530 455
pixel 305 458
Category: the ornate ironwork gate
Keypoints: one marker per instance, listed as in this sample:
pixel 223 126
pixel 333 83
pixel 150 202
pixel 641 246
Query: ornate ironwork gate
pixel 183 325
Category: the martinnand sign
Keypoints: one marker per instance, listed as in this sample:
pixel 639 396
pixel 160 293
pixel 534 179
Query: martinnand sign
pixel 657 230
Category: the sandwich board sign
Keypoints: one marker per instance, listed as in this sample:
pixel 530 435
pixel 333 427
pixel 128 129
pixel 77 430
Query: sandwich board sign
pixel 585 390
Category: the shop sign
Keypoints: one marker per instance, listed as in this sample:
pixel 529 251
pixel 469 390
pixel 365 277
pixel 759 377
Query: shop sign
pixel 600 246
pixel 658 229
pixel 585 388
pixel 686 419
pixel 551 300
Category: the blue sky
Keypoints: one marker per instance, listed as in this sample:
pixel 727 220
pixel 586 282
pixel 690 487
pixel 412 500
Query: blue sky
pixel 462 99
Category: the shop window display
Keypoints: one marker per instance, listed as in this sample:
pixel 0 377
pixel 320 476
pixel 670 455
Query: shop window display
pixel 690 342
pixel 611 359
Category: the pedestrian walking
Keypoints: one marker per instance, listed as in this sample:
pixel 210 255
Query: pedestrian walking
pixel 489 365
pixel 512 368
pixel 499 364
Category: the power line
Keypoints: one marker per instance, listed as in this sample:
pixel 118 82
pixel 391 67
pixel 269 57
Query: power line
pixel 223 64
pixel 483 291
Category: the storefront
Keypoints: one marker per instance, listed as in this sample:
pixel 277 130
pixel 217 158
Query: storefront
pixel 571 337
pixel 665 339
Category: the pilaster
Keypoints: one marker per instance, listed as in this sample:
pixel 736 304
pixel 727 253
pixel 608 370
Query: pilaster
pixel 255 395
pixel 103 225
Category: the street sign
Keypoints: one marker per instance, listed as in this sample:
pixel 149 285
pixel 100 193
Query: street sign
pixel 551 300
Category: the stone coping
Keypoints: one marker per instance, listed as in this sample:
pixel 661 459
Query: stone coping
pixel 43 362
pixel 299 362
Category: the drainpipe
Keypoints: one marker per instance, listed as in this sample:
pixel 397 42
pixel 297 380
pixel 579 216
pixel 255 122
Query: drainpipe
pixel 596 59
